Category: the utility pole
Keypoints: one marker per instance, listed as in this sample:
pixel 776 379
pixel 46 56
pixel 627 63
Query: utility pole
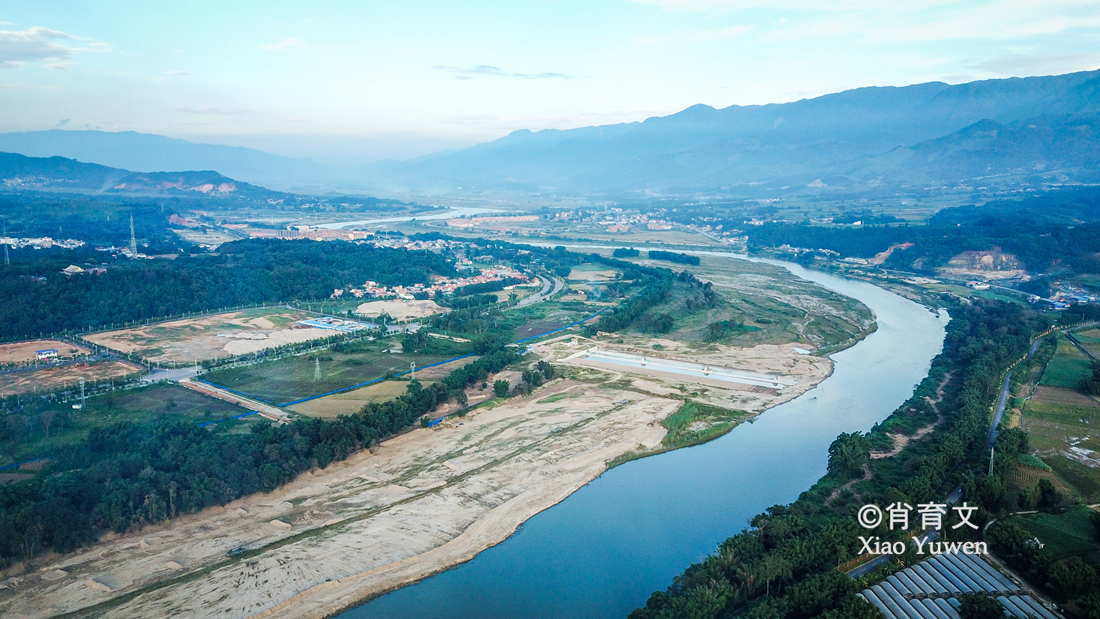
pixel 83 400
pixel 991 450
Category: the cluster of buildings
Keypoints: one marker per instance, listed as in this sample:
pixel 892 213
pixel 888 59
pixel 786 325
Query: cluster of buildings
pixel 44 242
pixel 1066 297
pixel 445 285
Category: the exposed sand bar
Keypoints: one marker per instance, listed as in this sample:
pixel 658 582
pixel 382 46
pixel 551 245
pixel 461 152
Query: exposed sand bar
pixel 420 503
pixel 392 517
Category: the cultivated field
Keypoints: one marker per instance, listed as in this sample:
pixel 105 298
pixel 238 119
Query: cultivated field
pixel 1062 427
pixel 53 378
pixel 23 352
pixel 294 378
pixel 1068 367
pixel 400 309
pixel 1090 341
pixel 221 335
pixel 348 402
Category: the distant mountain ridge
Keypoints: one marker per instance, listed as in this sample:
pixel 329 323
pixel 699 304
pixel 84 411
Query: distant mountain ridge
pixel 143 152
pixel 19 172
pixel 862 136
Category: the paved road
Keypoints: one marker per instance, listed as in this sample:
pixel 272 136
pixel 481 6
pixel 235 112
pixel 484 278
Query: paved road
pixel 998 412
pixel 558 284
pixel 273 413
pixel 176 376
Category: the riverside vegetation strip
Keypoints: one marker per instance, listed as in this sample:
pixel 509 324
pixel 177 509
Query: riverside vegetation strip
pixel 785 565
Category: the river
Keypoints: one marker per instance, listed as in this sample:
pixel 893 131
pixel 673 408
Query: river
pixel 603 550
pixel 446 213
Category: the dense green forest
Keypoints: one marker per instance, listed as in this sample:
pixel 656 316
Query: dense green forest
pixel 671 256
pixel 127 476
pixel 784 566
pixel 243 272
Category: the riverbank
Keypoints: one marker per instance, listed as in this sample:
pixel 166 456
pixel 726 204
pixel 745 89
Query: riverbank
pixel 415 505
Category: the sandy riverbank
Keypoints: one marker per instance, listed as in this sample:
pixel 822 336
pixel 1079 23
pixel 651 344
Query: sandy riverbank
pixel 420 503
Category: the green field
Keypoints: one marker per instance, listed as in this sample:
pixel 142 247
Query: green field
pixel 769 301
pixel 1065 534
pixel 1068 367
pixel 1090 341
pixel 1061 421
pixel 294 378
pixel 23 434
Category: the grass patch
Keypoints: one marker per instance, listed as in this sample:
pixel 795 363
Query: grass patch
pixel 1080 477
pixel 1065 534
pixel 1068 367
pixel 293 378
pixel 696 423
pixel 1033 462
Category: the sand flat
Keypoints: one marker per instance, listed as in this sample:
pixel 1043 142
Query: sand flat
pixel 387 517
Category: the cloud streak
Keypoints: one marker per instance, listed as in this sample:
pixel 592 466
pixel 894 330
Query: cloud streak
pixel 18 47
pixel 485 70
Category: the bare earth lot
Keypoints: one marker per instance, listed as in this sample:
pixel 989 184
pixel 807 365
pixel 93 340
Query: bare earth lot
pixel 51 378
pixel 220 335
pixel 22 352
pixel 400 309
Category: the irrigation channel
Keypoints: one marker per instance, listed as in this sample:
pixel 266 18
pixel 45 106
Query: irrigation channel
pixel 603 550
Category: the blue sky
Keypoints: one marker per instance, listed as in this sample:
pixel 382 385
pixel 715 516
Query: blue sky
pixel 367 80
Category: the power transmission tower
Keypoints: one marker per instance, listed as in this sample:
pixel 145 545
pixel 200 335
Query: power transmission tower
pixel 316 369
pixel 83 400
pixel 133 238
pixel 412 370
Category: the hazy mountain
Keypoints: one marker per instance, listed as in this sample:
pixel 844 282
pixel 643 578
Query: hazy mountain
pixel 19 172
pixel 1069 146
pixel 154 153
pixel 854 134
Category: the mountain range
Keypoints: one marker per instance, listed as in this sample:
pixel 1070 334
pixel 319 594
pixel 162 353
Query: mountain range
pixel 1010 131
pixel 19 172
pixel 142 152
pixel 926 133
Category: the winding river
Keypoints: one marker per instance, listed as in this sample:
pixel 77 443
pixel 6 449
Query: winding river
pixel 603 550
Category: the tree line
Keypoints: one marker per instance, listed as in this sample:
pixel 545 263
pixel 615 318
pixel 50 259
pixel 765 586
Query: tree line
pixel 126 475
pixel 242 272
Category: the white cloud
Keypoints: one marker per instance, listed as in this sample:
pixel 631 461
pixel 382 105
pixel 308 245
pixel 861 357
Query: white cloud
pixel 179 74
pixel 34 45
pixel 469 73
